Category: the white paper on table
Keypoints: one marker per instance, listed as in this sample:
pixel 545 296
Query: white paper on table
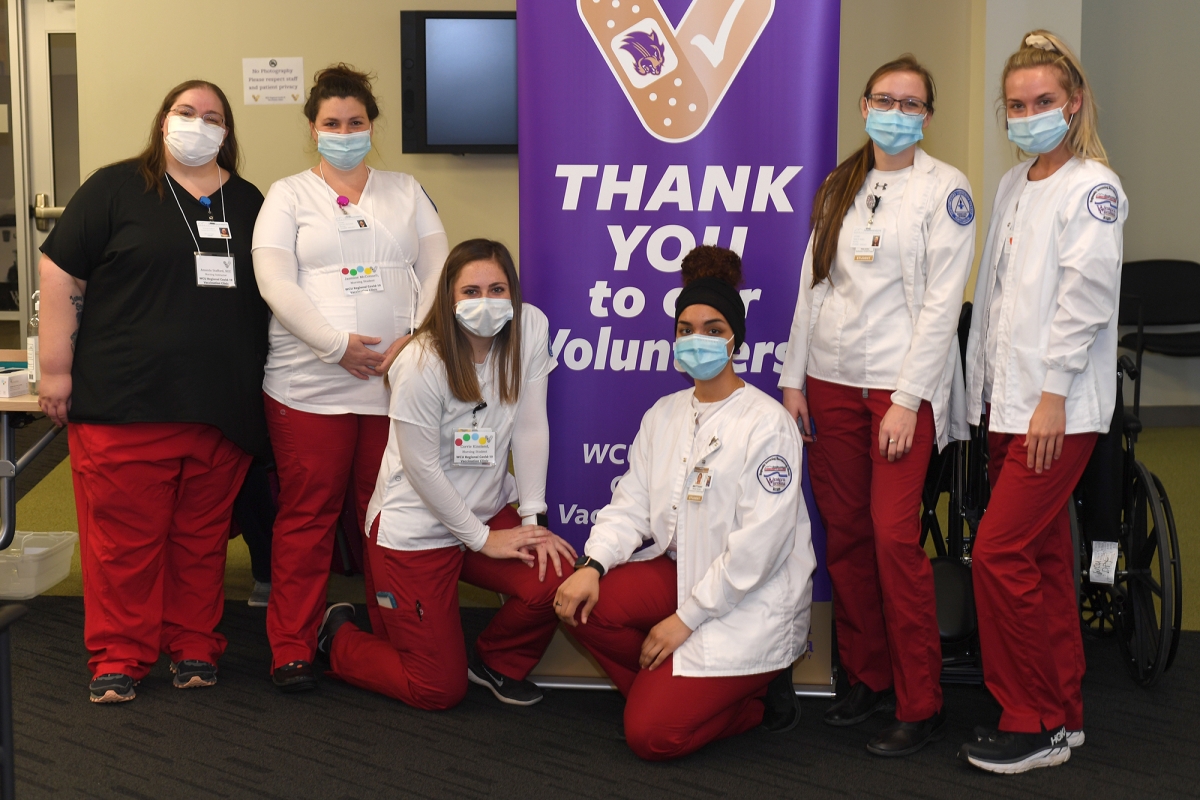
pixel 376 317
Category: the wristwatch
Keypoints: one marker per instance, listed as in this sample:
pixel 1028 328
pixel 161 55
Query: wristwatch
pixel 588 561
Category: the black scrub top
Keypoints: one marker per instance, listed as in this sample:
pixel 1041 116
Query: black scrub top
pixel 152 345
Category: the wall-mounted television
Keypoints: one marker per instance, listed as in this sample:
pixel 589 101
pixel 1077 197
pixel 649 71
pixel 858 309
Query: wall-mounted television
pixel 459 81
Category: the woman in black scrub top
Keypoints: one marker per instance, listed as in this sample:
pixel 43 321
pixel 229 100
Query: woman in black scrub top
pixel 153 340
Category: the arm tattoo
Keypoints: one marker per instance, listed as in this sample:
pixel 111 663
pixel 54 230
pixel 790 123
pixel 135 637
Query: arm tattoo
pixel 77 301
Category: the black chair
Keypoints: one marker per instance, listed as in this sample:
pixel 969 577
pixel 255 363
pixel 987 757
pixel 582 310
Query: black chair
pixel 1159 292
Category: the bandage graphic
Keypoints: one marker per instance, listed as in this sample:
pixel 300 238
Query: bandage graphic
pixel 675 77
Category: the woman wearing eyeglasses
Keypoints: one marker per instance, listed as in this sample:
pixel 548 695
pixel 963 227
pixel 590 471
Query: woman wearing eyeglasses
pixel 341 252
pixel 153 339
pixel 872 364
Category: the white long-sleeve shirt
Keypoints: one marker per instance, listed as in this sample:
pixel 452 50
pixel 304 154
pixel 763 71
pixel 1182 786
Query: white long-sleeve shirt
pixel 744 553
pixel 423 499
pixel 935 233
pixel 1055 326
pixel 299 255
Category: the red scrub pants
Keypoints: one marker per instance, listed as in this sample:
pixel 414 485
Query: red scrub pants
pixel 154 501
pixel 666 715
pixel 417 655
pixel 883 592
pixel 316 456
pixel 1024 574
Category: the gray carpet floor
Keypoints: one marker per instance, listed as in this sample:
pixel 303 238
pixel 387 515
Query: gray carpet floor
pixel 244 739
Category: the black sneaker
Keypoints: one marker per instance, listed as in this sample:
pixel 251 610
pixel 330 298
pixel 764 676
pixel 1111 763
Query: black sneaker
pixel 782 712
pixel 192 674
pixel 507 690
pixel 858 705
pixel 1074 738
pixel 295 676
pixel 112 687
pixel 1012 753
pixel 335 617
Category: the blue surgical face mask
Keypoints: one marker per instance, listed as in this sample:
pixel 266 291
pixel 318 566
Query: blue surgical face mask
pixel 702 357
pixel 894 131
pixel 1040 133
pixel 344 151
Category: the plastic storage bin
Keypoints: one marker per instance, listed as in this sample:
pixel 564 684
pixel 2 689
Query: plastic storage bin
pixel 34 562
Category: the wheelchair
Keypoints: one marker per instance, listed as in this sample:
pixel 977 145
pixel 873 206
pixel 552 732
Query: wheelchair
pixel 1117 500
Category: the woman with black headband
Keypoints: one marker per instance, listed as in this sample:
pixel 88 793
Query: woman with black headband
pixel 699 627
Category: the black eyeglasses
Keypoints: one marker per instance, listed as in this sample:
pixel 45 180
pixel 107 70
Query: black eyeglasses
pixel 910 106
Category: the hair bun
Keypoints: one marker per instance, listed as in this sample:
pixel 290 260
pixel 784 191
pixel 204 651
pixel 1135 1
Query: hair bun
pixel 710 261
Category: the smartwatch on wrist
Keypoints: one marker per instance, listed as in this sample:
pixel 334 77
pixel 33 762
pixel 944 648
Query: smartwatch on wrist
pixel 588 561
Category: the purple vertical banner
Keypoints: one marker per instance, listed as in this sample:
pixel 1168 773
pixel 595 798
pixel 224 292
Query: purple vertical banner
pixel 648 127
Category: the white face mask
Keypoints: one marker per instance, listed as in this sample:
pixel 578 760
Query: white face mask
pixel 483 316
pixel 193 142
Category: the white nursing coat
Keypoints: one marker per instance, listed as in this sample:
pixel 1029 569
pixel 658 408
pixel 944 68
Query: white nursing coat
pixel 936 250
pixel 745 557
pixel 1058 320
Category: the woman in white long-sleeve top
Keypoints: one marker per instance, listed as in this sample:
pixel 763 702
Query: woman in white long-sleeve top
pixel 873 363
pixel 695 586
pixel 340 253
pixel 468 390
pixel 1041 374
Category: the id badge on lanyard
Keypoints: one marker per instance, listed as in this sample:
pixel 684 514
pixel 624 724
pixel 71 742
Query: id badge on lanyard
pixel 215 269
pixel 698 484
pixel 475 446
pixel 865 242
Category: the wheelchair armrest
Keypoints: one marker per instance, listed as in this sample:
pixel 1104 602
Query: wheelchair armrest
pixel 1128 367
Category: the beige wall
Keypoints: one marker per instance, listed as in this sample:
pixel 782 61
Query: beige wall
pixel 131 52
pixel 1142 59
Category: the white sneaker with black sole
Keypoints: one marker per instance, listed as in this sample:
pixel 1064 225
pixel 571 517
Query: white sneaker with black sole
pixel 507 690
pixel 1012 753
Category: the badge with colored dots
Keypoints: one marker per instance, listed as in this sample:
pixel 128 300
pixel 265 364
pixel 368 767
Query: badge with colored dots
pixel 358 279
pixel 474 447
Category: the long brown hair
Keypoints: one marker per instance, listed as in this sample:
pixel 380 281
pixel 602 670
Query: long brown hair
pixel 441 333
pixel 152 162
pixel 840 187
pixel 1041 48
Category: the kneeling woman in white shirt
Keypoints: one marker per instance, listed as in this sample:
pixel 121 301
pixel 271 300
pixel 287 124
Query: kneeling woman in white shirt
pixel 469 388
pixel 699 628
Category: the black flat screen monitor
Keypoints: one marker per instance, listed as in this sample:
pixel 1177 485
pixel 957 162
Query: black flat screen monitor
pixel 459 81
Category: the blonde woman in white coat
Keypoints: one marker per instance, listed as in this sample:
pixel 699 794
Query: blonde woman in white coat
pixel 873 362
pixel 699 627
pixel 1041 372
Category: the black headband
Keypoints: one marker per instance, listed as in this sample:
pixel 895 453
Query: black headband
pixel 721 296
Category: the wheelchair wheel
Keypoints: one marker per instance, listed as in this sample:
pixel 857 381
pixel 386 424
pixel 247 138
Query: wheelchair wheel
pixel 1176 570
pixel 1145 585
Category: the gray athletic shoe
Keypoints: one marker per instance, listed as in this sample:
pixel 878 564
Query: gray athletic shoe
pixel 507 690
pixel 259 595
pixel 112 687
pixel 192 674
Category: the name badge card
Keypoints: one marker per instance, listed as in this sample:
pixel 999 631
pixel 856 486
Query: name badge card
pixel 209 229
pixel 351 222
pixel 359 280
pixel 474 447
pixel 215 269
pixel 865 242
pixel 698 484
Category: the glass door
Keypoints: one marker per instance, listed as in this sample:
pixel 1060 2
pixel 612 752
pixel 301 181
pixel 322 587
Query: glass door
pixel 39 145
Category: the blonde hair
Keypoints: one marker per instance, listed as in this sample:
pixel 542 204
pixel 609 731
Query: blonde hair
pixel 1041 48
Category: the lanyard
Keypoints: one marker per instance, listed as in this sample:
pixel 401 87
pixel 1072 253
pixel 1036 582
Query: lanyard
pixel 208 207
pixel 414 289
